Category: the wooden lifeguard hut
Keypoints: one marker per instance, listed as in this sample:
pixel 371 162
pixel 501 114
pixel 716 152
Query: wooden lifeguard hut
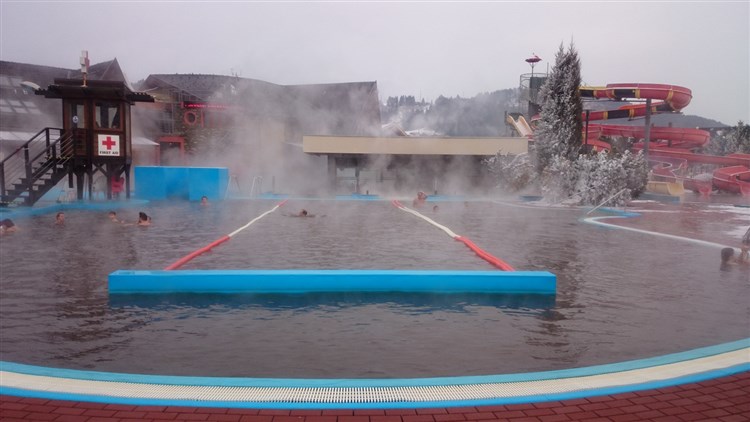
pixel 96 130
pixel 95 138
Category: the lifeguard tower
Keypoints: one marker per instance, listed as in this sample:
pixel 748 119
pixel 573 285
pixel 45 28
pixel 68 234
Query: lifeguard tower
pixel 95 137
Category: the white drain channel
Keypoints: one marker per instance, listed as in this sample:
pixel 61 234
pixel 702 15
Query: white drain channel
pixel 364 394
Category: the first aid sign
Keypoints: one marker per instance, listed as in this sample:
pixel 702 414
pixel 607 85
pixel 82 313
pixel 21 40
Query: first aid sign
pixel 108 145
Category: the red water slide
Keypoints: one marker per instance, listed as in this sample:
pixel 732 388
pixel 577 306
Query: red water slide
pixel 669 98
pixel 672 147
pixel 667 144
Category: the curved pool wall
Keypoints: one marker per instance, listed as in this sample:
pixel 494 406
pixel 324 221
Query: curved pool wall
pixel 279 393
pixel 283 393
pixel 307 281
pixel 598 221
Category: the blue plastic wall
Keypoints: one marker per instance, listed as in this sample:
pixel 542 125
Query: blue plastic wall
pixel 191 183
pixel 175 182
pixel 149 183
pixel 302 281
pixel 211 182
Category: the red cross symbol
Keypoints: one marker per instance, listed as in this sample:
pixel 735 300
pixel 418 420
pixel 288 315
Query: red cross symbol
pixel 109 143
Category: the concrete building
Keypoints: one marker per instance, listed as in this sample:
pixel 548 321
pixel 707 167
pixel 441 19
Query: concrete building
pixel 297 139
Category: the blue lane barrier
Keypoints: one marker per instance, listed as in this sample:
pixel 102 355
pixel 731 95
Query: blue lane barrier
pixel 303 281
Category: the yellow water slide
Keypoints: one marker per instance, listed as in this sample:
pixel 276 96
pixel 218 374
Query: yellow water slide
pixel 666 188
pixel 521 126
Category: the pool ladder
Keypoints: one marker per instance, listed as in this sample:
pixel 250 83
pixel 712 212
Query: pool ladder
pixel 259 181
pixel 607 200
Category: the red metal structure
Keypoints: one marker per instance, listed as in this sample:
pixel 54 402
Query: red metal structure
pixel 673 148
pixel 733 179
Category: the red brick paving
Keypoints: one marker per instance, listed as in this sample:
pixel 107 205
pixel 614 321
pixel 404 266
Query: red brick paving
pixel 724 399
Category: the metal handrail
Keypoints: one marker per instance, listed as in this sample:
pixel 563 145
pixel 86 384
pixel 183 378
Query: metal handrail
pixel 54 159
pixel 50 154
pixel 607 200
pixel 32 139
pixel 260 185
pixel 232 178
pixel 31 143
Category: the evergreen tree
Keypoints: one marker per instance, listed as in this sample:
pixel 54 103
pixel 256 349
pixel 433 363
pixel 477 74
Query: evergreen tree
pixel 737 140
pixel 392 103
pixel 741 138
pixel 559 131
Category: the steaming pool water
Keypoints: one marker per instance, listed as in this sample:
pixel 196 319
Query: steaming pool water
pixel 620 295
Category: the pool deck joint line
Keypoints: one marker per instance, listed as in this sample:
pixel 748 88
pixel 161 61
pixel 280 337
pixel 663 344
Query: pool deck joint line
pixel 663 371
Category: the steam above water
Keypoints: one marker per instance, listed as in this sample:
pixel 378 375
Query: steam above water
pixel 259 133
pixel 256 128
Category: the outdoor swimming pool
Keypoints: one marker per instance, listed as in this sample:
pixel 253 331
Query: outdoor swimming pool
pixel 620 295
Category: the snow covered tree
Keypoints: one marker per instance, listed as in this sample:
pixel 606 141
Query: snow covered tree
pixel 566 176
pixel 741 138
pixel 591 180
pixel 559 130
pixel 512 172
pixel 734 140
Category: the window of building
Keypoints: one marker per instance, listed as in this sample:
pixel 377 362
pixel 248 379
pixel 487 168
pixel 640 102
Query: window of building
pixel 78 115
pixel 107 115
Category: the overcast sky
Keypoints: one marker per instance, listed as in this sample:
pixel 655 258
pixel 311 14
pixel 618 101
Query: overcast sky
pixel 425 49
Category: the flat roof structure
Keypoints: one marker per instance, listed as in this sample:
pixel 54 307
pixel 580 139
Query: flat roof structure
pixel 368 145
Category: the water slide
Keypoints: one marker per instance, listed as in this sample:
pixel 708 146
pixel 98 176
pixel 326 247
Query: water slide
pixel 669 98
pixel 733 179
pixel 521 126
pixel 672 147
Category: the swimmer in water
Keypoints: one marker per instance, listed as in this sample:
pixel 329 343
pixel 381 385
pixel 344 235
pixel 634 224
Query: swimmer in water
pixel 143 219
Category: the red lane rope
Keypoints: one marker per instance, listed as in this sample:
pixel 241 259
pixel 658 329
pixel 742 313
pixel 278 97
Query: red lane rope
pixel 497 262
pixel 185 259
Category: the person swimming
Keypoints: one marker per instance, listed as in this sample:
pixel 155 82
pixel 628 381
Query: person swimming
pixel 143 219
pixel 113 217
pixel 60 219
pixel 7 226
pixel 420 199
pixel 302 213
pixel 727 257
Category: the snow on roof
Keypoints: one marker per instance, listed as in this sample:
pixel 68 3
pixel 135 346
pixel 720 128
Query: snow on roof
pixel 140 140
pixel 15 136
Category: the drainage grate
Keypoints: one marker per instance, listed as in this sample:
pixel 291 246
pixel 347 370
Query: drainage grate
pixel 372 395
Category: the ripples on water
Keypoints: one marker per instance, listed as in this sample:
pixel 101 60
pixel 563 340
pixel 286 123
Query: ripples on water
pixel 621 295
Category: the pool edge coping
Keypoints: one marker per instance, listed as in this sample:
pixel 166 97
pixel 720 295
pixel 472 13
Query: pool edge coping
pixel 609 371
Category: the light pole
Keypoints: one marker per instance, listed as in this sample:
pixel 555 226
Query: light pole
pixel 533 60
pixel 647 129
pixel 586 136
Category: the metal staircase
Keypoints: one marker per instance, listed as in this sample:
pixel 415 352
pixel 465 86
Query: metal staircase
pixel 36 167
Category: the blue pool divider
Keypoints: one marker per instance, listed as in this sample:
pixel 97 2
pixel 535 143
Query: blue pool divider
pixel 304 281
pixel 359 196
pixel 189 183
